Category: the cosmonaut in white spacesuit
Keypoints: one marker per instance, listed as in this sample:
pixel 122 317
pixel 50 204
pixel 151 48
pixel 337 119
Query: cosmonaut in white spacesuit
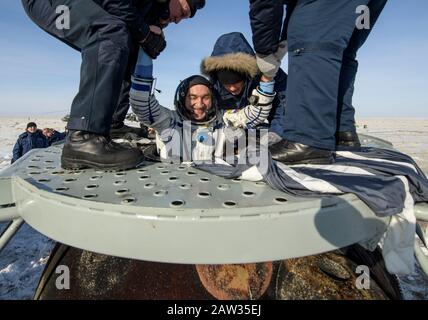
pixel 196 130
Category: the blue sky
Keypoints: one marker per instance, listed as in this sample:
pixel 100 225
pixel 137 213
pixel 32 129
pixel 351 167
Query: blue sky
pixel 40 75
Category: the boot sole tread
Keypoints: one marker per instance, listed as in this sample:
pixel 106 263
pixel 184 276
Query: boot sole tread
pixel 76 164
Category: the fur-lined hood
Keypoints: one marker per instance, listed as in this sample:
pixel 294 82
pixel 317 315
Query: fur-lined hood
pixel 232 52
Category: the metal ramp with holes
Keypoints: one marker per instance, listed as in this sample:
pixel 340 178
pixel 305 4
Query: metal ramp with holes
pixel 175 213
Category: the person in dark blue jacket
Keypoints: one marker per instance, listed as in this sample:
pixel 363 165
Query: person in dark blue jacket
pixel 32 138
pixel 323 37
pixel 107 33
pixel 232 68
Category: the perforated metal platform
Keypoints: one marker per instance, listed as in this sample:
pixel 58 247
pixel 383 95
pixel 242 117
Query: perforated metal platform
pixel 174 213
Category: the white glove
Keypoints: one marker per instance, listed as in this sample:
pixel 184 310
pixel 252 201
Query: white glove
pixel 235 118
pixel 269 65
pixel 257 112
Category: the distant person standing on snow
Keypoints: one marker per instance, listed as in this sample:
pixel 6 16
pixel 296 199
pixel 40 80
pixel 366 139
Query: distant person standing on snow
pixel 32 138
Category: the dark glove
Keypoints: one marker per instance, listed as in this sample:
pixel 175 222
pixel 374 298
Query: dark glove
pixel 153 45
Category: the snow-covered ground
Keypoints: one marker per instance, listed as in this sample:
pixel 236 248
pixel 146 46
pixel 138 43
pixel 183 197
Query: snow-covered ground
pixel 23 260
pixel 22 263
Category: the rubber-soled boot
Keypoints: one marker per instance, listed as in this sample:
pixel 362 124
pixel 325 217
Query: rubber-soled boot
pixel 89 150
pixel 290 152
pixel 347 140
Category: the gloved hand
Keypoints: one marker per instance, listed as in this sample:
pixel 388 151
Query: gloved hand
pixel 256 113
pixel 154 43
pixel 235 118
pixel 269 64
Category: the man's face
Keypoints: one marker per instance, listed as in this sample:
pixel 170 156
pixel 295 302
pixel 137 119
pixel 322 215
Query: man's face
pixel 32 129
pixel 235 88
pixel 47 133
pixel 178 10
pixel 198 101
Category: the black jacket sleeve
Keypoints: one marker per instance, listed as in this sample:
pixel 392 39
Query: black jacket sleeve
pixel 128 11
pixel 266 24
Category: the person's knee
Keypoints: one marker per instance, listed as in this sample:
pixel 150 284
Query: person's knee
pixel 114 39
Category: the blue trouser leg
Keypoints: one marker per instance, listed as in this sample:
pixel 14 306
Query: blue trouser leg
pixel 123 104
pixel 104 43
pixel 345 111
pixel 122 108
pixel 276 119
pixel 319 31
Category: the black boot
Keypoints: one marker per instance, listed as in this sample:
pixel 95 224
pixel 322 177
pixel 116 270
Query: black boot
pixel 90 150
pixel 121 131
pixel 290 152
pixel 347 140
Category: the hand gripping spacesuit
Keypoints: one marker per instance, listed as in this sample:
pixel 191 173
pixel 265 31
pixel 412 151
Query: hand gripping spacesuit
pixel 196 130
